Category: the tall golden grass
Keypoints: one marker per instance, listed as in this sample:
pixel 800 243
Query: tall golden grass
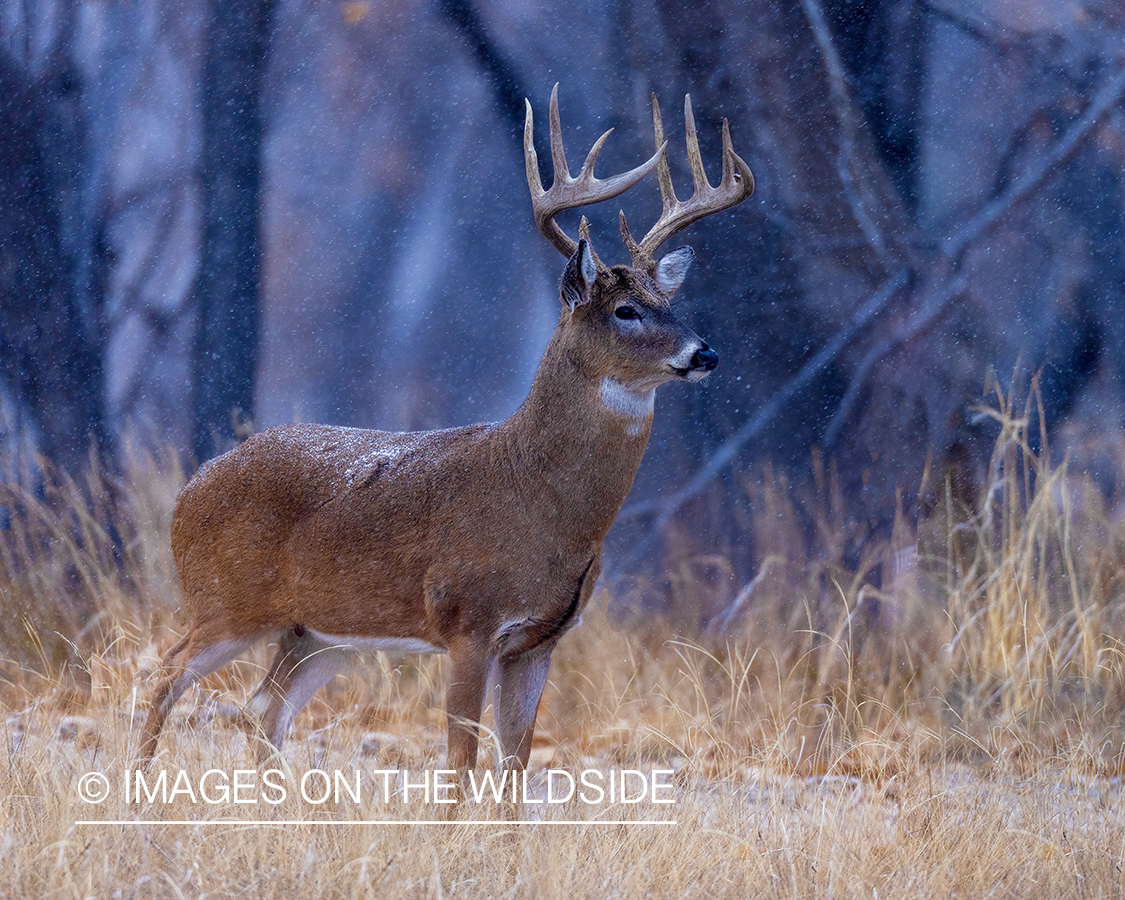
pixel 941 718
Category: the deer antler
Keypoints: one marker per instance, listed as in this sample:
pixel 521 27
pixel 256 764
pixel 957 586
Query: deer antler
pixel 737 184
pixel 567 192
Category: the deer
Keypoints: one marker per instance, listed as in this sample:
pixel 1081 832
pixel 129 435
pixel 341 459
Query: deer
pixel 483 542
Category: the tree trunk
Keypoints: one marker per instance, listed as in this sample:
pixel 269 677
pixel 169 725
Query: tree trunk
pixel 52 331
pixel 228 284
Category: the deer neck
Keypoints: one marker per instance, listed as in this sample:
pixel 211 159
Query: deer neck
pixel 577 441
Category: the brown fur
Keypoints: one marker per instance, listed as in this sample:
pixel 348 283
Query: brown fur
pixel 447 537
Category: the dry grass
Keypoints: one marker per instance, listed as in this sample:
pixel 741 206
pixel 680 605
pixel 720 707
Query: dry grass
pixel 941 718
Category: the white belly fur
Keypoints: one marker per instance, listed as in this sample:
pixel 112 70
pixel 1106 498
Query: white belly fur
pixel 388 644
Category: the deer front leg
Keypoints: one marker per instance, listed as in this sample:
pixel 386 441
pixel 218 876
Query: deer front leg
pixel 464 698
pixel 519 686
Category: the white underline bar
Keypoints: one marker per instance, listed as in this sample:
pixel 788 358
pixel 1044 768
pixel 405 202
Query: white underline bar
pixel 288 822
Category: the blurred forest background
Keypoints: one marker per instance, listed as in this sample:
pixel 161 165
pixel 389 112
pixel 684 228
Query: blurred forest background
pixel 218 216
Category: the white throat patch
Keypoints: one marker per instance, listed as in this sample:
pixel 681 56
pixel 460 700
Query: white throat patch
pixel 623 400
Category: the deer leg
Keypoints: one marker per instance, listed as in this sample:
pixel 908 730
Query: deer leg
pixel 193 657
pixel 302 666
pixel 259 701
pixel 519 687
pixel 464 698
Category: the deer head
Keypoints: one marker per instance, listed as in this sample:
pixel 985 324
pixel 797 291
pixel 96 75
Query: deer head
pixel 625 311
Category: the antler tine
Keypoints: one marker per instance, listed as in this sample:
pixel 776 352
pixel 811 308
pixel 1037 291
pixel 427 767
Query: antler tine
pixel 558 155
pixel 737 184
pixel 695 159
pixel 663 173
pixel 567 192
pixel 530 157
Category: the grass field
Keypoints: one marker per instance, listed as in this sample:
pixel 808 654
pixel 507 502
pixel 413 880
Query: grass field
pixel 955 731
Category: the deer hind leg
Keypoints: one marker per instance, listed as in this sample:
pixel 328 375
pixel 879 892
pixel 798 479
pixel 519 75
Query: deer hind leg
pixel 259 701
pixel 520 682
pixel 303 665
pixel 193 657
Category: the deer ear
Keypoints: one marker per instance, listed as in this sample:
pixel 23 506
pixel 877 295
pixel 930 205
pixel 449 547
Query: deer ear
pixel 578 278
pixel 673 268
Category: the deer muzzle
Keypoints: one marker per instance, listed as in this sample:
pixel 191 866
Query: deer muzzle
pixel 698 366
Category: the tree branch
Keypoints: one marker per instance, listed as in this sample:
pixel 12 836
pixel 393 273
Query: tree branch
pixel 954 245
pixel 850 125
pixel 919 322
pixel 507 87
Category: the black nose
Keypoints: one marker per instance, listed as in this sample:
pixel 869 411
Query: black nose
pixel 705 358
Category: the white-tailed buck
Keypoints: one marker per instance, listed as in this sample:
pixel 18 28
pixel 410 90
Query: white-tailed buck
pixel 483 542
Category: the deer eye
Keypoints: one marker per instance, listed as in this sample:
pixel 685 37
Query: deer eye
pixel 626 312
